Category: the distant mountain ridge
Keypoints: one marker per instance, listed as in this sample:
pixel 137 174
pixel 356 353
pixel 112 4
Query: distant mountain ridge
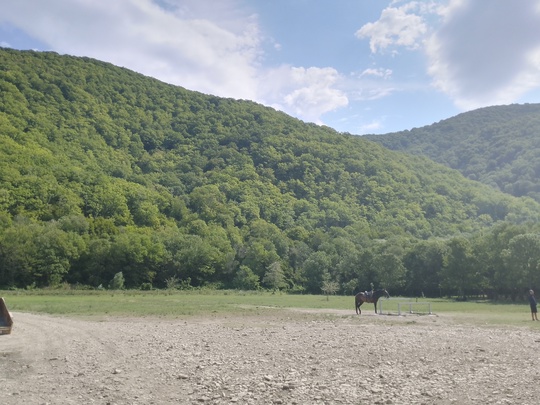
pixel 498 146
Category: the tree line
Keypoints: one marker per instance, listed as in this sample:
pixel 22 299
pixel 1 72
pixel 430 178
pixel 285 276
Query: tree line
pixel 502 262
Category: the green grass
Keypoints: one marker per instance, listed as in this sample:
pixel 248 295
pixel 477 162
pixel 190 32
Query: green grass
pixel 162 303
pixel 200 303
pixel 482 312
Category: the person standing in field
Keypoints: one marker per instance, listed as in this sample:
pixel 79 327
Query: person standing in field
pixel 532 303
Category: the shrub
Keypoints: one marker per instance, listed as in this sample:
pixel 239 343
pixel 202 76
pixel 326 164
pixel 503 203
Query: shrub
pixel 172 283
pixel 117 283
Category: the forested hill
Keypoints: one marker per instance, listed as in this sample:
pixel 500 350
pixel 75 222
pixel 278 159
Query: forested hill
pixel 498 146
pixel 104 171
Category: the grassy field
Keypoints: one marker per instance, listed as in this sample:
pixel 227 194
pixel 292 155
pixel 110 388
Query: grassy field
pixel 200 303
pixel 164 303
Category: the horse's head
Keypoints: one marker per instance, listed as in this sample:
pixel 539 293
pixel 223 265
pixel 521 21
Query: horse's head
pixel 386 293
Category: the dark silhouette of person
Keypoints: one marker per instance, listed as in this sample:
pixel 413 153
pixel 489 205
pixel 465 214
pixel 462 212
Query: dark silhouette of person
pixel 532 303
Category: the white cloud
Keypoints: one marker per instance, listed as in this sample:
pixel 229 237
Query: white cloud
pixel 203 45
pixel 370 84
pixel 174 43
pixel 379 72
pixel 486 55
pixel 396 26
pixel 370 127
pixel 306 93
pixel 371 91
pixel 477 54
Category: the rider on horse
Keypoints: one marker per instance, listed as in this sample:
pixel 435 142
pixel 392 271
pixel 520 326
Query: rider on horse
pixel 369 293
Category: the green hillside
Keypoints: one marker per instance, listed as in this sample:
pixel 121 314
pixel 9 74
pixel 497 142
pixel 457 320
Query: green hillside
pixel 103 171
pixel 498 146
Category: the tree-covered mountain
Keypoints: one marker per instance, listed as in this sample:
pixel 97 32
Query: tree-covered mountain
pixel 498 146
pixel 104 171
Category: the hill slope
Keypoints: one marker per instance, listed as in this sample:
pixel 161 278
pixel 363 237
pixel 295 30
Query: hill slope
pixel 105 170
pixel 498 146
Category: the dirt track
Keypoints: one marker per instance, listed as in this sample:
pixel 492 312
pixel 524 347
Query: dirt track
pixel 282 358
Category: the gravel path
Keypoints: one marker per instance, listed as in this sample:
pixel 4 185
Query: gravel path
pixel 286 357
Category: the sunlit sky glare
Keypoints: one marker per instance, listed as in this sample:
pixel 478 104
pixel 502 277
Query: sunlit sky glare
pixel 358 66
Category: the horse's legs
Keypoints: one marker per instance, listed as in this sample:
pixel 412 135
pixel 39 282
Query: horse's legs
pixel 357 302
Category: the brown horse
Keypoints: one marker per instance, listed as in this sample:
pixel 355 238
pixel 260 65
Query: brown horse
pixel 362 297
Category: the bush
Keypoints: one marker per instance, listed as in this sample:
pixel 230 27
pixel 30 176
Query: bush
pixel 245 279
pixel 172 283
pixel 117 283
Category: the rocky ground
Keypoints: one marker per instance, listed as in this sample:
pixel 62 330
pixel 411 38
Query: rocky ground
pixel 282 357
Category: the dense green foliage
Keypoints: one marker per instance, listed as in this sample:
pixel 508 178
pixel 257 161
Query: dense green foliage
pixel 104 171
pixel 498 146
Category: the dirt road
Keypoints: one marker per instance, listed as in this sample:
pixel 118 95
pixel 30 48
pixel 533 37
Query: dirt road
pixel 284 358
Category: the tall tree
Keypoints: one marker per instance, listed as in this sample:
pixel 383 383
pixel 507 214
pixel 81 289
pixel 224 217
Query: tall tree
pixel 522 259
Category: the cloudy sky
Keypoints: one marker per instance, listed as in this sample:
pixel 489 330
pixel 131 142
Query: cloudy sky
pixel 359 66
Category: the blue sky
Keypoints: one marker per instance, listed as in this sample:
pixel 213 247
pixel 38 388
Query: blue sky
pixel 359 66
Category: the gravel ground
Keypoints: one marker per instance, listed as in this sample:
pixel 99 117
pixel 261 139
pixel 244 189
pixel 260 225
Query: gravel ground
pixel 282 357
